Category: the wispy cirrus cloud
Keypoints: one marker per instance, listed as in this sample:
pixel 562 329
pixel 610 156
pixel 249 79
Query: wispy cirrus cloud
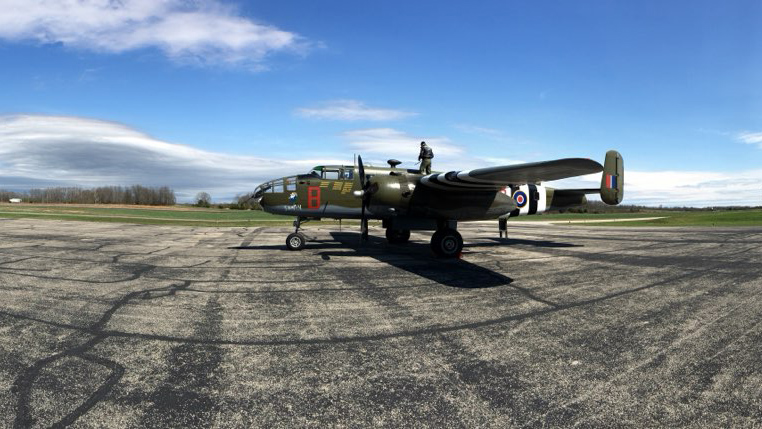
pixel 40 151
pixel 351 110
pixel 390 142
pixel 202 33
pixel 749 137
pixel 384 143
pixel 480 131
pixel 491 134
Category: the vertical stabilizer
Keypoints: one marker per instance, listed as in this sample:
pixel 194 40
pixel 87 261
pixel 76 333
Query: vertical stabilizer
pixel 612 182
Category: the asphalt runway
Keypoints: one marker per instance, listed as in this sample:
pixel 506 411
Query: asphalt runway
pixel 113 325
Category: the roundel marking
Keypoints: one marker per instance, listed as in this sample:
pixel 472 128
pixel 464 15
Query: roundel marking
pixel 521 198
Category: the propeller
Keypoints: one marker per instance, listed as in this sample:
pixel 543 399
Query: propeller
pixel 368 189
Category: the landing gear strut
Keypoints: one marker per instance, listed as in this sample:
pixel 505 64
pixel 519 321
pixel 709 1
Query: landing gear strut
pixel 447 243
pixel 296 240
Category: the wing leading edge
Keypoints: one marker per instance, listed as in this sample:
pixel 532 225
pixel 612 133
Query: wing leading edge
pixel 492 178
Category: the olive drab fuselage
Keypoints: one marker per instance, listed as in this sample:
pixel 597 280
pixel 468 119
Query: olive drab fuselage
pixel 335 192
pixel 407 200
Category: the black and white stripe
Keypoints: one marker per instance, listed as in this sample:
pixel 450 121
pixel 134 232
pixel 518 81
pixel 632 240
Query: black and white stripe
pixel 455 181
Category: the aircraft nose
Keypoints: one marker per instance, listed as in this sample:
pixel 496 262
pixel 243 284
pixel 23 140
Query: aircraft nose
pixel 259 194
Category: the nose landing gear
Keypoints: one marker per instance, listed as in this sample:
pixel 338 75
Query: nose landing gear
pixel 296 240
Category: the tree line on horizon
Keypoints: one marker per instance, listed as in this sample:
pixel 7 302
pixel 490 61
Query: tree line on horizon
pixel 135 194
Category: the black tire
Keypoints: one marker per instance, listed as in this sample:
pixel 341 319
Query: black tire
pixel 397 236
pixel 447 243
pixel 295 241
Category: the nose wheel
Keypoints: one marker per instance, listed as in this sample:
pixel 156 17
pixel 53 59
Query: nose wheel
pixel 447 243
pixel 296 241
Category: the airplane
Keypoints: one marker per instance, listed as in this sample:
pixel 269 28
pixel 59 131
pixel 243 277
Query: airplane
pixel 406 200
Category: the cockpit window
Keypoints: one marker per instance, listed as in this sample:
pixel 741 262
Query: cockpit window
pixel 290 183
pixel 331 174
pixel 261 189
pixel 278 186
pixel 348 174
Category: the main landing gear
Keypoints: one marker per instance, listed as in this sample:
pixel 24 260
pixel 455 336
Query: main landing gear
pixel 296 240
pixel 397 236
pixel 447 243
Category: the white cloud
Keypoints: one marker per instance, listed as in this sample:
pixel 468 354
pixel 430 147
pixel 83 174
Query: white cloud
pixel 751 138
pixel 491 160
pixel 384 143
pixel 682 188
pixel 351 110
pixel 398 144
pixel 39 151
pixel 490 134
pixel 188 31
pixel 480 131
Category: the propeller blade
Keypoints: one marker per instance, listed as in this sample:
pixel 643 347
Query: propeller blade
pixel 365 200
pixel 361 171
pixel 363 221
pixel 364 230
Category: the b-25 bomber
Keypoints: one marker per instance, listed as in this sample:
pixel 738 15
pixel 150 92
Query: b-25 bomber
pixel 406 200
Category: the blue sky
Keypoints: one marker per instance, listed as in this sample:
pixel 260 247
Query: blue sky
pixel 269 88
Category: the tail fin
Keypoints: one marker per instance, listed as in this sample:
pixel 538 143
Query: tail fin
pixel 612 182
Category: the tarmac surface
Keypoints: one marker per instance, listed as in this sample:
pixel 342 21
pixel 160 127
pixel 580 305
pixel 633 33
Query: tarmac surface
pixel 115 325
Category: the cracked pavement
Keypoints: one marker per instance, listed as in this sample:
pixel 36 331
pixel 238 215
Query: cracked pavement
pixel 118 325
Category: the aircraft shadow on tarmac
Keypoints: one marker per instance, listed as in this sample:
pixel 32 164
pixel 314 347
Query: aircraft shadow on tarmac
pixel 514 241
pixel 413 257
pixel 417 258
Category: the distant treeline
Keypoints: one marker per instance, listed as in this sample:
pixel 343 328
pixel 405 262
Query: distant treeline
pixel 600 207
pixel 245 202
pixel 135 194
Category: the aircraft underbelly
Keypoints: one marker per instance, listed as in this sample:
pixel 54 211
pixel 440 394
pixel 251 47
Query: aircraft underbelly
pixel 326 210
pixel 462 206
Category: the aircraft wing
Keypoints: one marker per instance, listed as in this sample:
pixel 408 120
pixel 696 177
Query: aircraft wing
pixel 492 178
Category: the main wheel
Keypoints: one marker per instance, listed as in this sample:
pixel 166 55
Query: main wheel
pixel 397 236
pixel 295 241
pixel 447 243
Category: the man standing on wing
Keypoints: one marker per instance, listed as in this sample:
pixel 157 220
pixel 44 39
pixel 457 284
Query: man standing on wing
pixel 425 157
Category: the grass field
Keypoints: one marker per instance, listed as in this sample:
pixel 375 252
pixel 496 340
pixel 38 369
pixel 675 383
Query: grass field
pixel 184 215
pixel 696 218
pixel 145 215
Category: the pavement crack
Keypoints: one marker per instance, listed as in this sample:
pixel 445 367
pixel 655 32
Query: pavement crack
pixel 24 383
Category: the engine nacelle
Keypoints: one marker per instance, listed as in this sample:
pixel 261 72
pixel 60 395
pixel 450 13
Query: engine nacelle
pixel 530 199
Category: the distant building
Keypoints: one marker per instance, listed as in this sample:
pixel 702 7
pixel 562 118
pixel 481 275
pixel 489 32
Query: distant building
pixel 15 200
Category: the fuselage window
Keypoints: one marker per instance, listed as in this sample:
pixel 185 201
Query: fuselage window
pixel 331 175
pixel 291 184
